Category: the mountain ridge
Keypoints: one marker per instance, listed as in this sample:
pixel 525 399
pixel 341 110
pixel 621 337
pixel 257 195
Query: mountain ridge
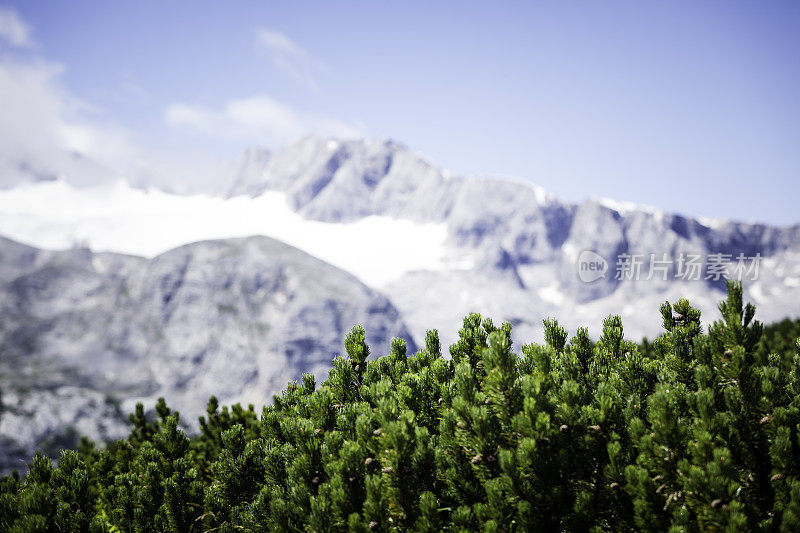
pixel 507 227
pixel 249 176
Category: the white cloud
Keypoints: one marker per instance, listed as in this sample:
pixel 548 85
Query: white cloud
pixel 116 217
pixel 258 120
pixel 13 29
pixel 188 116
pixel 30 142
pixel 43 133
pixel 279 43
pixel 46 133
pixel 288 56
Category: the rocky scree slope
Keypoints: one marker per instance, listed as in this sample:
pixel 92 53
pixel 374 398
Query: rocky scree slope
pixel 84 336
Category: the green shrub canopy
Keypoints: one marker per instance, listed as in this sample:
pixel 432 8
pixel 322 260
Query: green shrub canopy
pixel 692 432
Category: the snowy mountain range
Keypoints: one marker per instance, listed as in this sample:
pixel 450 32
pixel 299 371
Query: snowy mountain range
pixel 511 249
pixel 367 232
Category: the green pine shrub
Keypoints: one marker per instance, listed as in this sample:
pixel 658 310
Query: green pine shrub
pixel 692 432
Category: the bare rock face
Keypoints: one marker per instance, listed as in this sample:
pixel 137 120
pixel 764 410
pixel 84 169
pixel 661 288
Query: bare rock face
pixel 522 245
pixel 84 336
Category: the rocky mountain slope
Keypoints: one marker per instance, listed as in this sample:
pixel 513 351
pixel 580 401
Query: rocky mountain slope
pixel 83 336
pixel 515 248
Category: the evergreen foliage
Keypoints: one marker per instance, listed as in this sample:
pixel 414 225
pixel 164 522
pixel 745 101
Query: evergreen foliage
pixel 693 432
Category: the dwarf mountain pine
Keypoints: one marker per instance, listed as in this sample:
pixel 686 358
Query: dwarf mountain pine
pixel 692 432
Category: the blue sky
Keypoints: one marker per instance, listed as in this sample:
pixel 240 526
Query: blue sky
pixel 692 107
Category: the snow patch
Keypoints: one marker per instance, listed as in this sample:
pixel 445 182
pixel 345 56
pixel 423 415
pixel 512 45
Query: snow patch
pixel 118 218
pixel 281 298
pixel 626 208
pixel 713 223
pixel 460 262
pixel 543 197
pixel 570 251
pixel 551 294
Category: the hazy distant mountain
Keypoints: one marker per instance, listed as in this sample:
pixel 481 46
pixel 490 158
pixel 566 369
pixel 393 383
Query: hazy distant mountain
pixel 83 336
pixel 518 245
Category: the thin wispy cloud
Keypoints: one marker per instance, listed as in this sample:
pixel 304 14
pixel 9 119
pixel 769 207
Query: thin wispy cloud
pixel 13 29
pixel 45 133
pixel 257 120
pixel 279 43
pixel 288 56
